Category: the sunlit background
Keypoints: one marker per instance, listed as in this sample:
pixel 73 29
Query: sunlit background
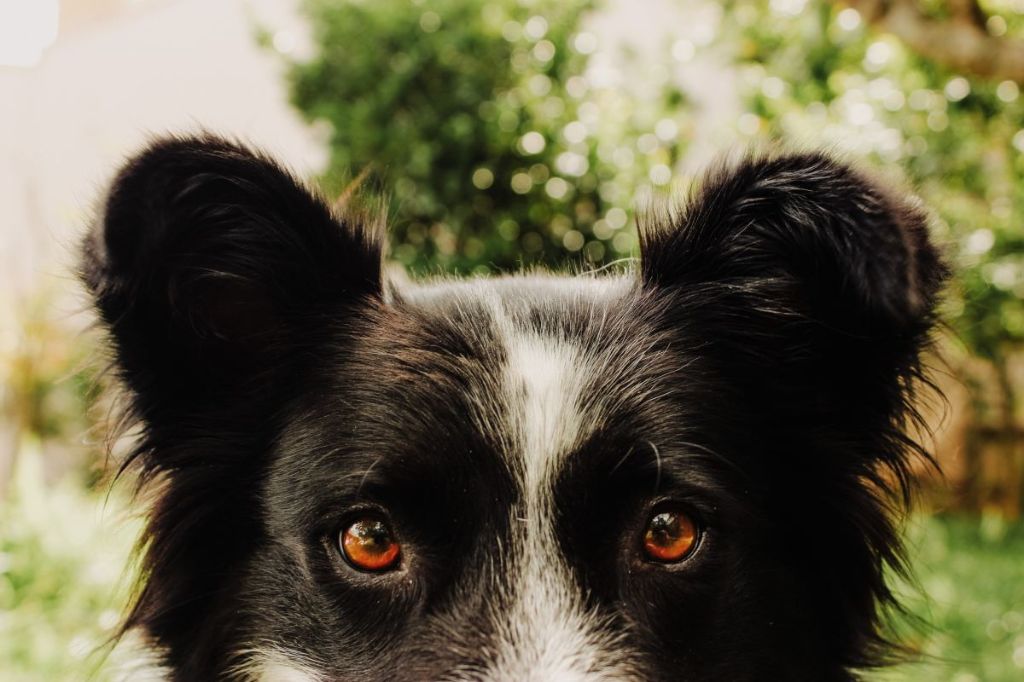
pixel 507 133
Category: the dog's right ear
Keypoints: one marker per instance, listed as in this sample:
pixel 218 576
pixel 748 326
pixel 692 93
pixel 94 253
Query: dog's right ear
pixel 213 268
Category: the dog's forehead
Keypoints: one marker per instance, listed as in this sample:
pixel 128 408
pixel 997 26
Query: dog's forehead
pixel 542 346
pixel 504 378
pixel 497 380
pixel 540 293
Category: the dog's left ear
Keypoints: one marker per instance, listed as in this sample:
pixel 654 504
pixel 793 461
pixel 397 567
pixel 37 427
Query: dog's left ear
pixel 812 277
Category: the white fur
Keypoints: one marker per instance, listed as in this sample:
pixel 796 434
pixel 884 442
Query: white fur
pixel 275 666
pixel 283 672
pixel 546 633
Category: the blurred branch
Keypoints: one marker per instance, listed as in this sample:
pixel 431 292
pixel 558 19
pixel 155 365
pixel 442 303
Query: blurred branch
pixel 960 41
pixel 968 10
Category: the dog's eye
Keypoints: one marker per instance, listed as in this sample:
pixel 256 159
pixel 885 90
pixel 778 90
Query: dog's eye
pixel 369 545
pixel 670 536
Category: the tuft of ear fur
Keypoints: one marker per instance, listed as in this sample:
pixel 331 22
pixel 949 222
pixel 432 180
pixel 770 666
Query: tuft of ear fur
pixel 215 273
pixel 812 289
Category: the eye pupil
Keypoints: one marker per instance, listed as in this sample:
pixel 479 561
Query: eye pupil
pixel 369 545
pixel 670 536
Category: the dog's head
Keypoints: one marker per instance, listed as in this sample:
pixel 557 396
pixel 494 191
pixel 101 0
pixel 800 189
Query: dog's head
pixel 685 473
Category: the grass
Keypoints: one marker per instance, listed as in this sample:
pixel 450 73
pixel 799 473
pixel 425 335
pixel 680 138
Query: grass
pixel 63 552
pixel 971 577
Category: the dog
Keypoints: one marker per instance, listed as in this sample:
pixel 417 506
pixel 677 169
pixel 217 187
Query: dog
pixel 693 470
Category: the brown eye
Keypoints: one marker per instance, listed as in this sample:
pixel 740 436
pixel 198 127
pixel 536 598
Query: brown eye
pixel 369 545
pixel 670 536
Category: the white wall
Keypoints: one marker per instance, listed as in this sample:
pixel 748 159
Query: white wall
pixel 127 70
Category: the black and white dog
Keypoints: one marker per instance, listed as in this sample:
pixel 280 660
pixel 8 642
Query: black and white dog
pixel 690 472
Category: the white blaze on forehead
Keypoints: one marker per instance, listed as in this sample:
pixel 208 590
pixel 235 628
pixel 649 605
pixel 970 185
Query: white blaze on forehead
pixel 274 666
pixel 545 631
pixel 282 672
pixel 543 376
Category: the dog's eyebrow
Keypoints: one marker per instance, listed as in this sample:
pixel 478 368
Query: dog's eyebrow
pixel 693 457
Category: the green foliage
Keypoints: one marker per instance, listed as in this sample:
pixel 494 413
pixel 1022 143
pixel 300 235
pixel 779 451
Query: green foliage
pixel 498 148
pixel 970 626
pixel 63 553
pixel 814 73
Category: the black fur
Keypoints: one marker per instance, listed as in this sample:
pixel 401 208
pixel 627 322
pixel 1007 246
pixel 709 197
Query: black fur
pixel 759 368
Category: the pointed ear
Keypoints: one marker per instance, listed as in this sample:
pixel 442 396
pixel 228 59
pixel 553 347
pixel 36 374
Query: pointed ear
pixel 805 247
pixel 814 284
pixel 212 267
pixel 849 249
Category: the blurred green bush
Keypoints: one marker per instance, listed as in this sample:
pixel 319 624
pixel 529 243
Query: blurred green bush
pixel 497 149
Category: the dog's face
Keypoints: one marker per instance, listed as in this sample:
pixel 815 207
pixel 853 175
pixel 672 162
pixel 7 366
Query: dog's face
pixel 683 473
